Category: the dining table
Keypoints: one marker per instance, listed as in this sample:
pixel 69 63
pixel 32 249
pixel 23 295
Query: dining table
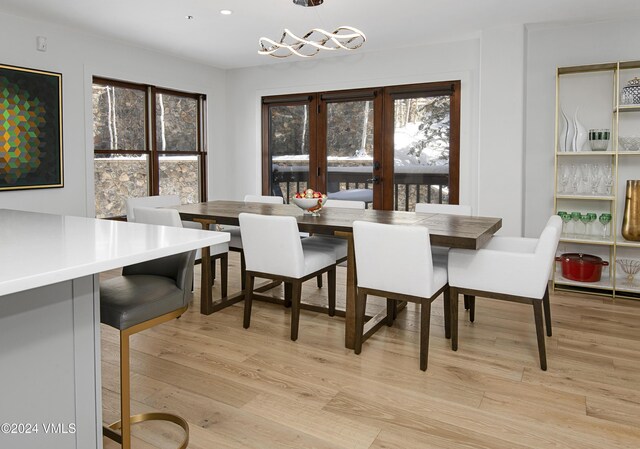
pixel 454 231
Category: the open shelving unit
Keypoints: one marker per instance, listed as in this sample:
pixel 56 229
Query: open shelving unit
pixel 593 93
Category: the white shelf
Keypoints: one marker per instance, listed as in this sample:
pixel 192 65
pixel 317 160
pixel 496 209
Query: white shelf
pixel 586 153
pixel 604 283
pixel 628 108
pixel 620 241
pixel 628 153
pixel 585 197
pixel 586 241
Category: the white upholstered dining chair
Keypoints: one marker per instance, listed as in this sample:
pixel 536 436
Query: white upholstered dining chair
pixel 394 262
pixel 441 253
pixel 273 250
pixel 510 269
pixel 337 244
pixel 235 242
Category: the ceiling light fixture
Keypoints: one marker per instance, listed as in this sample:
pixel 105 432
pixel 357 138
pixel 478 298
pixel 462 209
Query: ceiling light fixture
pixel 226 12
pixel 344 37
pixel 189 17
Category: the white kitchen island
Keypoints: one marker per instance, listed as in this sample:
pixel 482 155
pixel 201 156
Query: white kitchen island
pixel 49 319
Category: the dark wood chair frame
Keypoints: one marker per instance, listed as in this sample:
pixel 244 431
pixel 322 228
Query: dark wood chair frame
pixel 470 304
pixel 392 301
pixel 292 294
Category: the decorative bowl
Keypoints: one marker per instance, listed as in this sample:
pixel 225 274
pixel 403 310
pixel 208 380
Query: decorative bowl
pixel 310 205
pixel 629 143
pixel 630 267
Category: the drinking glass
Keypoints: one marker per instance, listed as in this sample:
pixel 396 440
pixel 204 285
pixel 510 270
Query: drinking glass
pixel 604 221
pixel 574 178
pixel 594 178
pixel 608 180
pixel 584 177
pixel 592 217
pixel 565 177
pixel 566 218
pixel 584 218
pixel 575 217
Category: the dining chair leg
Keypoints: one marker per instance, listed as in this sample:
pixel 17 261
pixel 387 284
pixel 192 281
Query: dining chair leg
pixel 547 311
pixel 454 318
pixel 361 306
pixel 243 270
pixel 224 274
pixel 425 322
pixel 447 312
pixel 537 315
pixel 471 302
pixel 248 299
pixel 287 294
pixel 391 311
pixel 319 280
pixel 295 308
pixel 331 274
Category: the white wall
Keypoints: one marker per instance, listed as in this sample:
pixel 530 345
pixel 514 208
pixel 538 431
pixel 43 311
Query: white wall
pixel 549 47
pixel 447 61
pixel 78 57
pixel 500 161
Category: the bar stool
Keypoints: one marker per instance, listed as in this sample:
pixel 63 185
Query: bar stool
pixel 216 252
pixel 147 294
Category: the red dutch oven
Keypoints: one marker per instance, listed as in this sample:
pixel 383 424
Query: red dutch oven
pixel 581 267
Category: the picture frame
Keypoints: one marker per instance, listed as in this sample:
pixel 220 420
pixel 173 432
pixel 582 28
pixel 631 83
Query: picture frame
pixel 31 153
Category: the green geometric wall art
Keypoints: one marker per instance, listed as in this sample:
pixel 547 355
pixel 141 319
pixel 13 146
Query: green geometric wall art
pixel 30 129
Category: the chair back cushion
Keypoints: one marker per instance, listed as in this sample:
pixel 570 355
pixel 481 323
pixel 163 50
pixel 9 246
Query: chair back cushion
pixel 178 267
pixel 452 209
pixel 150 201
pixel 548 244
pixel 271 244
pixel 345 204
pixel 162 217
pixel 394 258
pixel 263 199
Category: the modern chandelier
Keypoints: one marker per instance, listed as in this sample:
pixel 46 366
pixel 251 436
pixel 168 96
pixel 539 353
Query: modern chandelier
pixel 343 37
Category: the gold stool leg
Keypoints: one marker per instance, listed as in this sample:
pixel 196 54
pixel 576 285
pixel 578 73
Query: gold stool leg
pixel 124 424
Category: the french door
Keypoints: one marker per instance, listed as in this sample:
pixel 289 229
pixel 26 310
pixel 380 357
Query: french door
pixel 390 147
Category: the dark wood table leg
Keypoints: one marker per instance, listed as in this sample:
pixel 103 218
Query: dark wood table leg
pixel 206 277
pixel 350 307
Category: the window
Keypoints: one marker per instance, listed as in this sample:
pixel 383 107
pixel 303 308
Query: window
pixel 147 141
pixel 390 147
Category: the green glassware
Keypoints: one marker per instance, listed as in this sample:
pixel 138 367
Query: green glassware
pixel 566 218
pixel 584 218
pixel 575 217
pixel 604 220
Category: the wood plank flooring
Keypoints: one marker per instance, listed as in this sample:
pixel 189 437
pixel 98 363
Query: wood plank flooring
pixel 257 389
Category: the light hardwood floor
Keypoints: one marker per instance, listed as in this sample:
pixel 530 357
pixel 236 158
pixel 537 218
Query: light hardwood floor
pixel 257 389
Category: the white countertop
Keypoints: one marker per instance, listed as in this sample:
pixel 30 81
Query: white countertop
pixel 42 249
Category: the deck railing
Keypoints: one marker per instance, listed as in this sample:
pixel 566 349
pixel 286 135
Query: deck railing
pixel 408 189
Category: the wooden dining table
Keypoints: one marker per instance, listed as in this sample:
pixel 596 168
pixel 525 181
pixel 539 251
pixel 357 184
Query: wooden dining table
pixel 452 231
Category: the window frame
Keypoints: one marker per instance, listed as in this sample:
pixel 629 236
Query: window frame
pixel 150 128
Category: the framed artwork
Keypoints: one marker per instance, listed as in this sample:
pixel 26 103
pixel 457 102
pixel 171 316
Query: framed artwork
pixel 30 129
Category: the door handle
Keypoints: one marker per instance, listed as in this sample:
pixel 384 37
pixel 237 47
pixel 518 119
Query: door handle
pixel 374 180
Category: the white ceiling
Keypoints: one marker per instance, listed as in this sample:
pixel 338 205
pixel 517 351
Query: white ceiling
pixel 232 41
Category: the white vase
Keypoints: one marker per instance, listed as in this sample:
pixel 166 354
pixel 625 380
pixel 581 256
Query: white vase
pixel 565 133
pixel 580 136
